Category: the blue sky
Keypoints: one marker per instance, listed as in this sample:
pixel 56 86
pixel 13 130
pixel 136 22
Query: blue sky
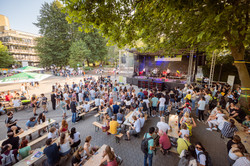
pixel 22 13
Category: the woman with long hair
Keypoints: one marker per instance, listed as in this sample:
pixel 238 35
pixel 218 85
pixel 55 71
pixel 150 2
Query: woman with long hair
pixel 201 154
pixel 235 152
pixel 75 136
pixel 229 129
pixel 64 145
pixel 109 157
pixel 24 149
pixel 34 104
pixel 64 126
pixel 77 158
pixel 189 155
pixel 89 149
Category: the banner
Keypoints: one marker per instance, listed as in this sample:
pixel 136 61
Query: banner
pixel 120 79
pixel 230 80
pixel 167 58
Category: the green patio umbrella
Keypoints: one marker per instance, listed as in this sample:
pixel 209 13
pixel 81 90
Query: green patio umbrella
pixel 27 69
pixel 24 77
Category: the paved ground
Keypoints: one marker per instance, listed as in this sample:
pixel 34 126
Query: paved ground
pixel 129 151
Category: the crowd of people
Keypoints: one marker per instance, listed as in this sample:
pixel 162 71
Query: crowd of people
pixel 216 106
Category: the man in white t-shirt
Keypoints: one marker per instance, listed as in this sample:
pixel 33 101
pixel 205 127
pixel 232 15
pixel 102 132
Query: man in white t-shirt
pixel 86 107
pixel 201 109
pixel 162 125
pixel 134 129
pixel 161 102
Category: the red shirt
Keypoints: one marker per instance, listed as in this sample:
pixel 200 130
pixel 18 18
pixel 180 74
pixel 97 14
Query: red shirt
pixel 8 97
pixel 164 141
pixel 110 101
pixel 145 93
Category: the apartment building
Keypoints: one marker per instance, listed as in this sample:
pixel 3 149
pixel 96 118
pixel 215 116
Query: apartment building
pixel 20 44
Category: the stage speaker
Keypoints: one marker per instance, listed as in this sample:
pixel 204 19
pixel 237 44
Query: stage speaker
pixel 201 60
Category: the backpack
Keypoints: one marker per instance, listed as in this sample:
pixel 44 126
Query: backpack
pixel 144 144
pixel 8 160
pixel 208 158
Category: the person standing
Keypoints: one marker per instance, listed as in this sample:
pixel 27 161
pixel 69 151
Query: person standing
pixel 201 109
pixel 53 100
pixel 161 102
pixel 148 155
pixel 44 103
pixel 63 106
pixel 73 109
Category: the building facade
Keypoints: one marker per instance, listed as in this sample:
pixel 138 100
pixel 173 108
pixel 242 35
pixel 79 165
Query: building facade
pixel 20 44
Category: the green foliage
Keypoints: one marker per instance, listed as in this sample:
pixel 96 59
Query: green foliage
pixel 88 68
pixel 164 24
pixel 95 43
pixel 53 47
pixel 113 55
pixel 168 25
pixel 78 53
pixel 224 62
pixel 5 58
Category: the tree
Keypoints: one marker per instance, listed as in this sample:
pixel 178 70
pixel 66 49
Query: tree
pixel 5 58
pixel 53 46
pixel 170 25
pixel 113 55
pixel 78 53
pixel 95 43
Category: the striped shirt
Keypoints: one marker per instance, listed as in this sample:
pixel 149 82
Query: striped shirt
pixel 242 161
pixel 227 130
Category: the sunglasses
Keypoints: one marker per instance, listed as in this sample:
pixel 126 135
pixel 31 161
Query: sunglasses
pixel 198 147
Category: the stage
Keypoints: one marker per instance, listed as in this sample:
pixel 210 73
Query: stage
pixel 159 83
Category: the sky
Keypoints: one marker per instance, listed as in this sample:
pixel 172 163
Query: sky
pixel 22 13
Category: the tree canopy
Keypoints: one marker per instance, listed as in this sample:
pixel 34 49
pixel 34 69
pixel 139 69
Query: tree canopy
pixel 169 25
pixel 5 58
pixel 53 46
pixel 79 52
pixel 59 39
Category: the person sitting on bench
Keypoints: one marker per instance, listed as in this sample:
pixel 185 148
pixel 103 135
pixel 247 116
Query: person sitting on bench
pixel 134 129
pixel 12 124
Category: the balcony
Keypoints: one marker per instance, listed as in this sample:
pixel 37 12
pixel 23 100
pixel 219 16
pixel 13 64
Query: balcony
pixel 18 51
pixel 19 43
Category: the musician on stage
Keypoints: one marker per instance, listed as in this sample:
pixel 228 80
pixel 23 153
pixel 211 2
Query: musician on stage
pixel 168 72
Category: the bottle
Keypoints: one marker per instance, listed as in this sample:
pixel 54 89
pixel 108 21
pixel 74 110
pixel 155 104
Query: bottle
pixel 49 120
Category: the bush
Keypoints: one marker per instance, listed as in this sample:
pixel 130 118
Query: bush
pixel 88 68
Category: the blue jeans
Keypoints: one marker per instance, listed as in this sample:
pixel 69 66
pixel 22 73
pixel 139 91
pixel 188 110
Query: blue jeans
pixel 197 112
pixel 193 104
pixel 92 98
pixel 150 159
pixel 86 99
pixel 73 117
